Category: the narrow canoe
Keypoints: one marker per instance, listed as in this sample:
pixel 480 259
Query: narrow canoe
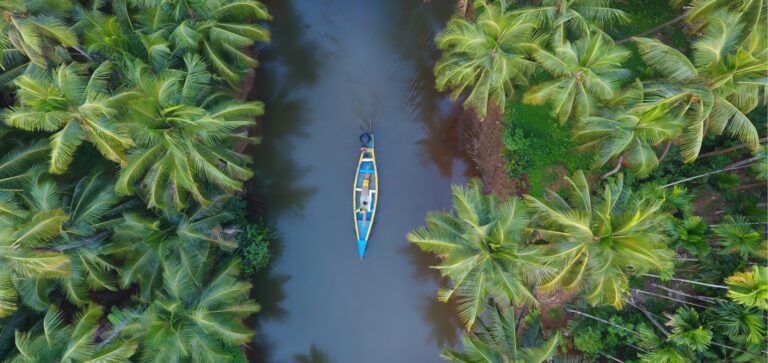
pixel 365 194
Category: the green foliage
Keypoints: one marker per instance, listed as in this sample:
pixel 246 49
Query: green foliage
pixel 143 84
pixel 688 331
pixel 592 337
pixel 254 248
pixel 496 339
pixel 750 288
pixel 254 240
pixel 589 341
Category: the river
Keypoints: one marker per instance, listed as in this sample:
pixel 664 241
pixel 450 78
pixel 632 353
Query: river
pixel 333 65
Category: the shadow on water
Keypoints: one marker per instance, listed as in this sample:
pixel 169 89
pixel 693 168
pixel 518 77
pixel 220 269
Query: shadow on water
pixel 413 37
pixel 294 65
pixel 440 316
pixel 315 355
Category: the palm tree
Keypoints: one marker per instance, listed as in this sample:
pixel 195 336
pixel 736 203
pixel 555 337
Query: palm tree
pixel 494 339
pixel 660 349
pixel 27 30
pixel 481 248
pixel 628 132
pixel 690 234
pixel 598 243
pixel 585 72
pixel 149 243
pixel 55 237
pixel 736 235
pixel 760 168
pixel 181 147
pixel 219 30
pixel 738 321
pixel 193 323
pixel 572 17
pixel 687 330
pixel 485 58
pixel 713 91
pixel 76 107
pixel 749 288
pixel 54 340
pixel 752 12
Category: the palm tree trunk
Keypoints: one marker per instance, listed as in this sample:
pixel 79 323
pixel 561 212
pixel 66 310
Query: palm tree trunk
pixel 728 149
pixel 739 165
pixel 520 317
pixel 678 292
pixel 614 170
pixel 612 358
pixel 600 320
pixel 669 298
pixel 666 151
pixel 653 30
pixel 651 318
pixel 689 282
pixel 514 338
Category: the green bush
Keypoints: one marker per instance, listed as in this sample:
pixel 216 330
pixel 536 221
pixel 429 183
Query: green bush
pixel 518 152
pixel 535 144
pixel 589 341
pixel 253 240
pixel 254 247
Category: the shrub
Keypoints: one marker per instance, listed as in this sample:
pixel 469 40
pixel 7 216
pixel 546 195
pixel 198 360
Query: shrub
pixel 254 247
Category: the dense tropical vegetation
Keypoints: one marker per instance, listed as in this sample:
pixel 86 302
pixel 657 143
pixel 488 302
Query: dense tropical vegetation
pixel 654 252
pixel 120 228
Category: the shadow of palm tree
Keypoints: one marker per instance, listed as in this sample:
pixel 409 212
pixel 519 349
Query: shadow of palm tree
pixel 315 355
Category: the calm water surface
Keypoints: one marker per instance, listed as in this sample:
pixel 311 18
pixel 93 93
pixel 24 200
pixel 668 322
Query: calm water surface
pixel 332 65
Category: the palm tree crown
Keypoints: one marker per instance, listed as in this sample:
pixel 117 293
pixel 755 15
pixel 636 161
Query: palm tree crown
pixel 76 107
pixel 485 58
pixel 628 131
pixel 182 147
pixel 481 244
pixel 585 72
pixel 713 91
pixel 598 243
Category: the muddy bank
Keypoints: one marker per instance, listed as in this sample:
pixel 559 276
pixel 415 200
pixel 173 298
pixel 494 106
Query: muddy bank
pixel 482 142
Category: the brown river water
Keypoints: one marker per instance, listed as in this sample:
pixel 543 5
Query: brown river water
pixel 333 65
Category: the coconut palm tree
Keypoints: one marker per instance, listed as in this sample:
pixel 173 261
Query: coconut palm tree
pixel 220 30
pixel 53 340
pixel 598 243
pixel 31 30
pixel 760 168
pixel 485 58
pixel 576 18
pixel 482 250
pixel 494 339
pixel 55 237
pixel 193 323
pixel 584 72
pixel 148 243
pixel 753 12
pixel 627 132
pixel 715 89
pixel 184 137
pixel 76 106
pixel 749 288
